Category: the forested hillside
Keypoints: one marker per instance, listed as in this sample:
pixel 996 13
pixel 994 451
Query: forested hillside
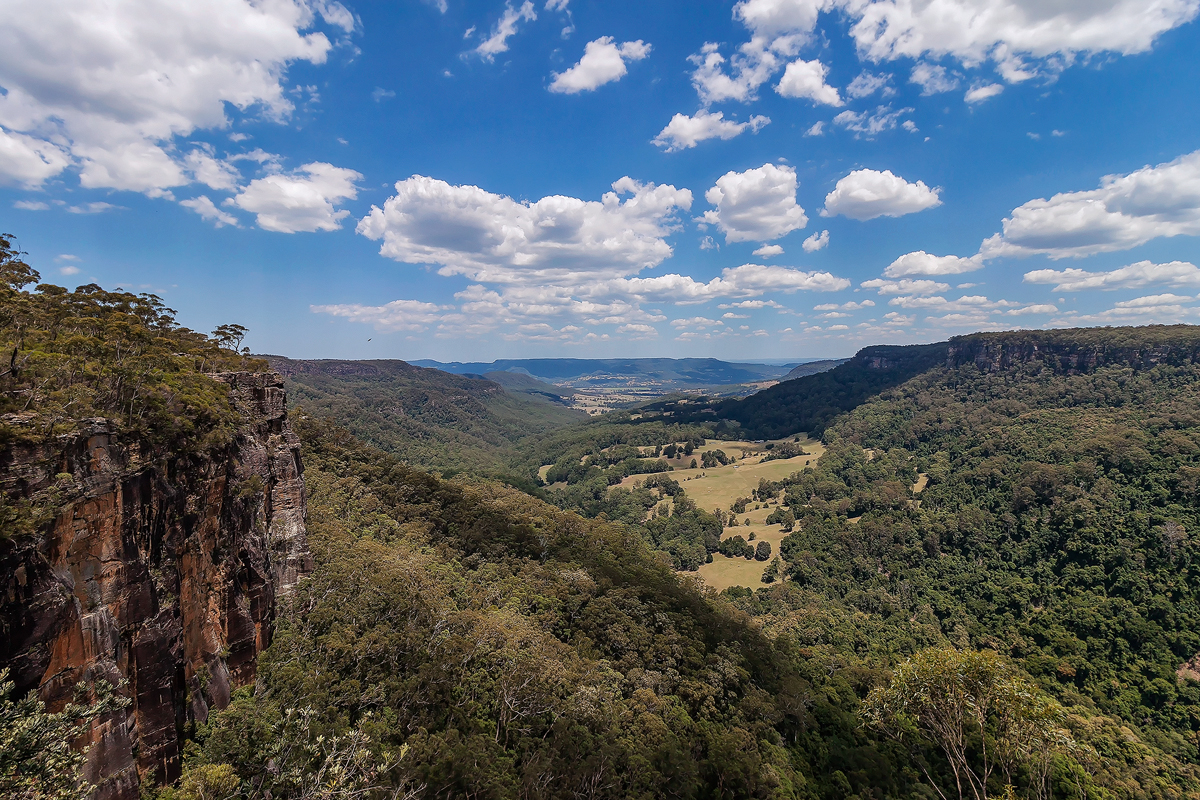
pixel 459 639
pixel 75 355
pixel 532 388
pixel 991 585
pixel 480 643
pixel 812 368
pixel 808 403
pixel 151 513
pixel 425 416
pixel 1058 526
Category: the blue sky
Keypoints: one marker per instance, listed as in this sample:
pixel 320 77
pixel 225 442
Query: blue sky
pixel 474 180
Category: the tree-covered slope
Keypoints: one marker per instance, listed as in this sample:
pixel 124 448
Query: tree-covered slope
pixel 478 643
pixel 70 355
pixel 813 368
pixel 461 639
pixel 426 417
pixel 521 384
pixel 808 403
pixel 1059 525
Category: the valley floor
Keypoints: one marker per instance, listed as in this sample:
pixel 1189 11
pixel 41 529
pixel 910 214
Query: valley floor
pixel 719 487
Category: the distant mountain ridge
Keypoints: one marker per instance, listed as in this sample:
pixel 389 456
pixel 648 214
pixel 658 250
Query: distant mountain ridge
pixel 677 372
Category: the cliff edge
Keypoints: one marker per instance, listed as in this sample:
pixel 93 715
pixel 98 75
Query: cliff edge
pixel 160 573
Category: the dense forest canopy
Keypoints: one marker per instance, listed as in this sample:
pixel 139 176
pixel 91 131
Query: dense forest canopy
pixel 990 582
pixel 810 402
pixel 425 416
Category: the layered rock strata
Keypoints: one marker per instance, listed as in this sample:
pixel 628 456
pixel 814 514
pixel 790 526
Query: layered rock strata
pixel 160 574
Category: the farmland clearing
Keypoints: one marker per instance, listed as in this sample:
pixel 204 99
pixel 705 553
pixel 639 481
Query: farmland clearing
pixel 719 487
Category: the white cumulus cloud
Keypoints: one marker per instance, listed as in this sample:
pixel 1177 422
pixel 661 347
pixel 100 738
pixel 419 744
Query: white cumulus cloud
pixel 1020 38
pixel 1126 211
pixel 769 250
pixel 1039 308
pixel 756 279
pixel 756 205
pixel 506 28
pixel 95 207
pixel 922 263
pixel 109 87
pixel 806 79
pixel 867 124
pixel 906 286
pixel 398 315
pixel 301 201
pixel 933 79
pixel 748 280
pixel 866 194
pixel 603 62
pixel 638 330
pixel 1001 30
pixel 29 161
pixel 818 241
pixel 489 237
pixel 203 206
pixel 851 306
pixel 977 94
pixel 683 131
pixel 1176 274
pixel 867 84
pixel 749 70
pixel 1157 308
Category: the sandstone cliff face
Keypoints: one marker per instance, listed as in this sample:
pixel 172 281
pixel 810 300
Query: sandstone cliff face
pixel 164 576
pixel 1068 352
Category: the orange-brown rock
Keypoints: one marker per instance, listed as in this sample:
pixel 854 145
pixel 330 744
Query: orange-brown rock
pixel 161 574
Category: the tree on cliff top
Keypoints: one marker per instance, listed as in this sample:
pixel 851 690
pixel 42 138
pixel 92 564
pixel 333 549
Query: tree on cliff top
pixel 72 355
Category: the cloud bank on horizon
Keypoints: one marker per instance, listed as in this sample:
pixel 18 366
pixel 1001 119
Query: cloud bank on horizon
pixel 582 180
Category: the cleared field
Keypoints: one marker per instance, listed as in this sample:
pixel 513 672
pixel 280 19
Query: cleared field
pixel 724 572
pixel 719 487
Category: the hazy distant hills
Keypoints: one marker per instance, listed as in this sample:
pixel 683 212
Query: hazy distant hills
pixel 613 372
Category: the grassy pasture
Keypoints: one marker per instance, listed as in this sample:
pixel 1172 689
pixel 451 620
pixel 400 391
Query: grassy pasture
pixel 719 487
pixel 724 572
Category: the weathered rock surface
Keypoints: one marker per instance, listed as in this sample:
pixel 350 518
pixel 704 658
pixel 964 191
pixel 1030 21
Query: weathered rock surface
pixel 163 575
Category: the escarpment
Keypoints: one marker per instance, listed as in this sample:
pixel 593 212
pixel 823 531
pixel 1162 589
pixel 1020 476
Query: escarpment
pixel 160 573
pixel 1078 351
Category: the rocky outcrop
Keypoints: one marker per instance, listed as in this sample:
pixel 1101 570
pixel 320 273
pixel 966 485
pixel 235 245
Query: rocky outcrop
pixel 160 574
